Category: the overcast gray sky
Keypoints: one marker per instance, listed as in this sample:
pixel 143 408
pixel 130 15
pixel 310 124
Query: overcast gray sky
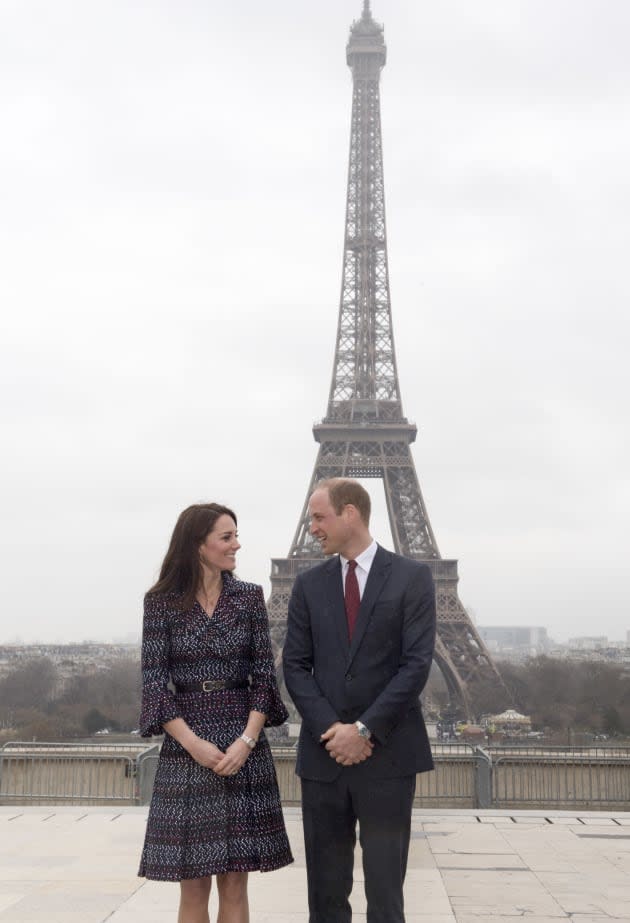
pixel 172 188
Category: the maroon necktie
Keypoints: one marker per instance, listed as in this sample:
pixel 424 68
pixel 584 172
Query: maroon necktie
pixel 351 597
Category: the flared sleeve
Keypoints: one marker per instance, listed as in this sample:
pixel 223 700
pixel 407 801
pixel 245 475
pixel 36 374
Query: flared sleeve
pixel 264 692
pixel 158 702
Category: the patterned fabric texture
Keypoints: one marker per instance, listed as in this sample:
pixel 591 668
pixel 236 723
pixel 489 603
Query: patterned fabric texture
pixel 200 823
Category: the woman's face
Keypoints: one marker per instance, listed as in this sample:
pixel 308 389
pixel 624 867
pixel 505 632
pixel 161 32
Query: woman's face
pixel 218 551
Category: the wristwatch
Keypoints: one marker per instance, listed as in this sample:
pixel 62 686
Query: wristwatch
pixel 363 731
pixel 251 743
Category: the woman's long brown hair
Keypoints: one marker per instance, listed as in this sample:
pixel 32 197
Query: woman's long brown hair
pixel 181 569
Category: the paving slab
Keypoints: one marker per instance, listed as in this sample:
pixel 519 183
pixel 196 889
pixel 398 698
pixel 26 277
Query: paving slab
pixel 78 865
pixel 595 821
pixel 481 915
pixel 497 821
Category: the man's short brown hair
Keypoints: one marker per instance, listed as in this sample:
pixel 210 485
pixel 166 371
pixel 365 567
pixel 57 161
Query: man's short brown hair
pixel 343 491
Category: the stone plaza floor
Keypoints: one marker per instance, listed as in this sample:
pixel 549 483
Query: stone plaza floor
pixel 77 865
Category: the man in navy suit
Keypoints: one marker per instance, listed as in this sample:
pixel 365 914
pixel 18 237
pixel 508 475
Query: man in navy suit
pixel 359 645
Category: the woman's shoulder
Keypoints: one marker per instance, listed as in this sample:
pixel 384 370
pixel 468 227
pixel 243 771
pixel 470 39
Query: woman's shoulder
pixel 237 587
pixel 169 600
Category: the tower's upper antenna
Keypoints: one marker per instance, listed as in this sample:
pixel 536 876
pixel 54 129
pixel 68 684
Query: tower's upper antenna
pixel 366 40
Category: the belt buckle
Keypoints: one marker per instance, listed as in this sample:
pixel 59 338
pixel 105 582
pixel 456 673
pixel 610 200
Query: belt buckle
pixel 210 685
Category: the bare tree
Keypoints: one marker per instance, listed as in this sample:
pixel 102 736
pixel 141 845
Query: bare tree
pixel 32 684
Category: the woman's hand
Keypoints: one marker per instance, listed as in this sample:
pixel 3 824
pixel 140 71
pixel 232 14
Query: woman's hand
pixel 235 756
pixel 205 753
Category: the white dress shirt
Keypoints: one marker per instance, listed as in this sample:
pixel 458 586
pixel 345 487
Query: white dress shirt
pixel 364 563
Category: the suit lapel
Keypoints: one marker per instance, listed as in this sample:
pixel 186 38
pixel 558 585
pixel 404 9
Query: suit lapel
pixel 336 605
pixel 379 572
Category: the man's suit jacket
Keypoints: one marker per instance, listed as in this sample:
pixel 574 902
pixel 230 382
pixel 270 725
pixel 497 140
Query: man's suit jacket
pixel 376 678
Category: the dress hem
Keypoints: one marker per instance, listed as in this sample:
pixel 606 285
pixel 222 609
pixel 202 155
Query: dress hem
pixel 206 873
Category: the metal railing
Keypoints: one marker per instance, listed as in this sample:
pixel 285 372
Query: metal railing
pixel 580 778
pixel 66 773
pixel 465 776
pixel 461 778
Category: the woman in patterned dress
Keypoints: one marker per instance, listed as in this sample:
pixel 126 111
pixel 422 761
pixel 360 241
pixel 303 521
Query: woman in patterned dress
pixel 215 808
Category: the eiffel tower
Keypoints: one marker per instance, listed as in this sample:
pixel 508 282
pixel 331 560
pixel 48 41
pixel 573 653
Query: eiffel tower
pixel 364 433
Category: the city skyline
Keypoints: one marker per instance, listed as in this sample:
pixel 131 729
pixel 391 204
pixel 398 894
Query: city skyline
pixel 175 180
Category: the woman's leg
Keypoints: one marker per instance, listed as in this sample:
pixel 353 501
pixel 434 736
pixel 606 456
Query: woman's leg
pixel 193 900
pixel 233 904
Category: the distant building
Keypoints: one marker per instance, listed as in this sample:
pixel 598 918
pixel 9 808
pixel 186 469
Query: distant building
pixel 594 648
pixel 515 641
pixel 70 659
pixel 588 643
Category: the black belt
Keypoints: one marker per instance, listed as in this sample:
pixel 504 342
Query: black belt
pixel 212 685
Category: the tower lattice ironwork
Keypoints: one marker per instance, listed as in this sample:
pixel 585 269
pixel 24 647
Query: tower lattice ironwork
pixel 364 433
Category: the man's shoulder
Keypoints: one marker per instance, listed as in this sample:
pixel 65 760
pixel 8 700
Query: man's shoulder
pixel 403 565
pixel 319 571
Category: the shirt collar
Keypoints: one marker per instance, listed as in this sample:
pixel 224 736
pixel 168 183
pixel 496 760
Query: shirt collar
pixel 364 560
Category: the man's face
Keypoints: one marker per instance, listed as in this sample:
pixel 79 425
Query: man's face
pixel 332 531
